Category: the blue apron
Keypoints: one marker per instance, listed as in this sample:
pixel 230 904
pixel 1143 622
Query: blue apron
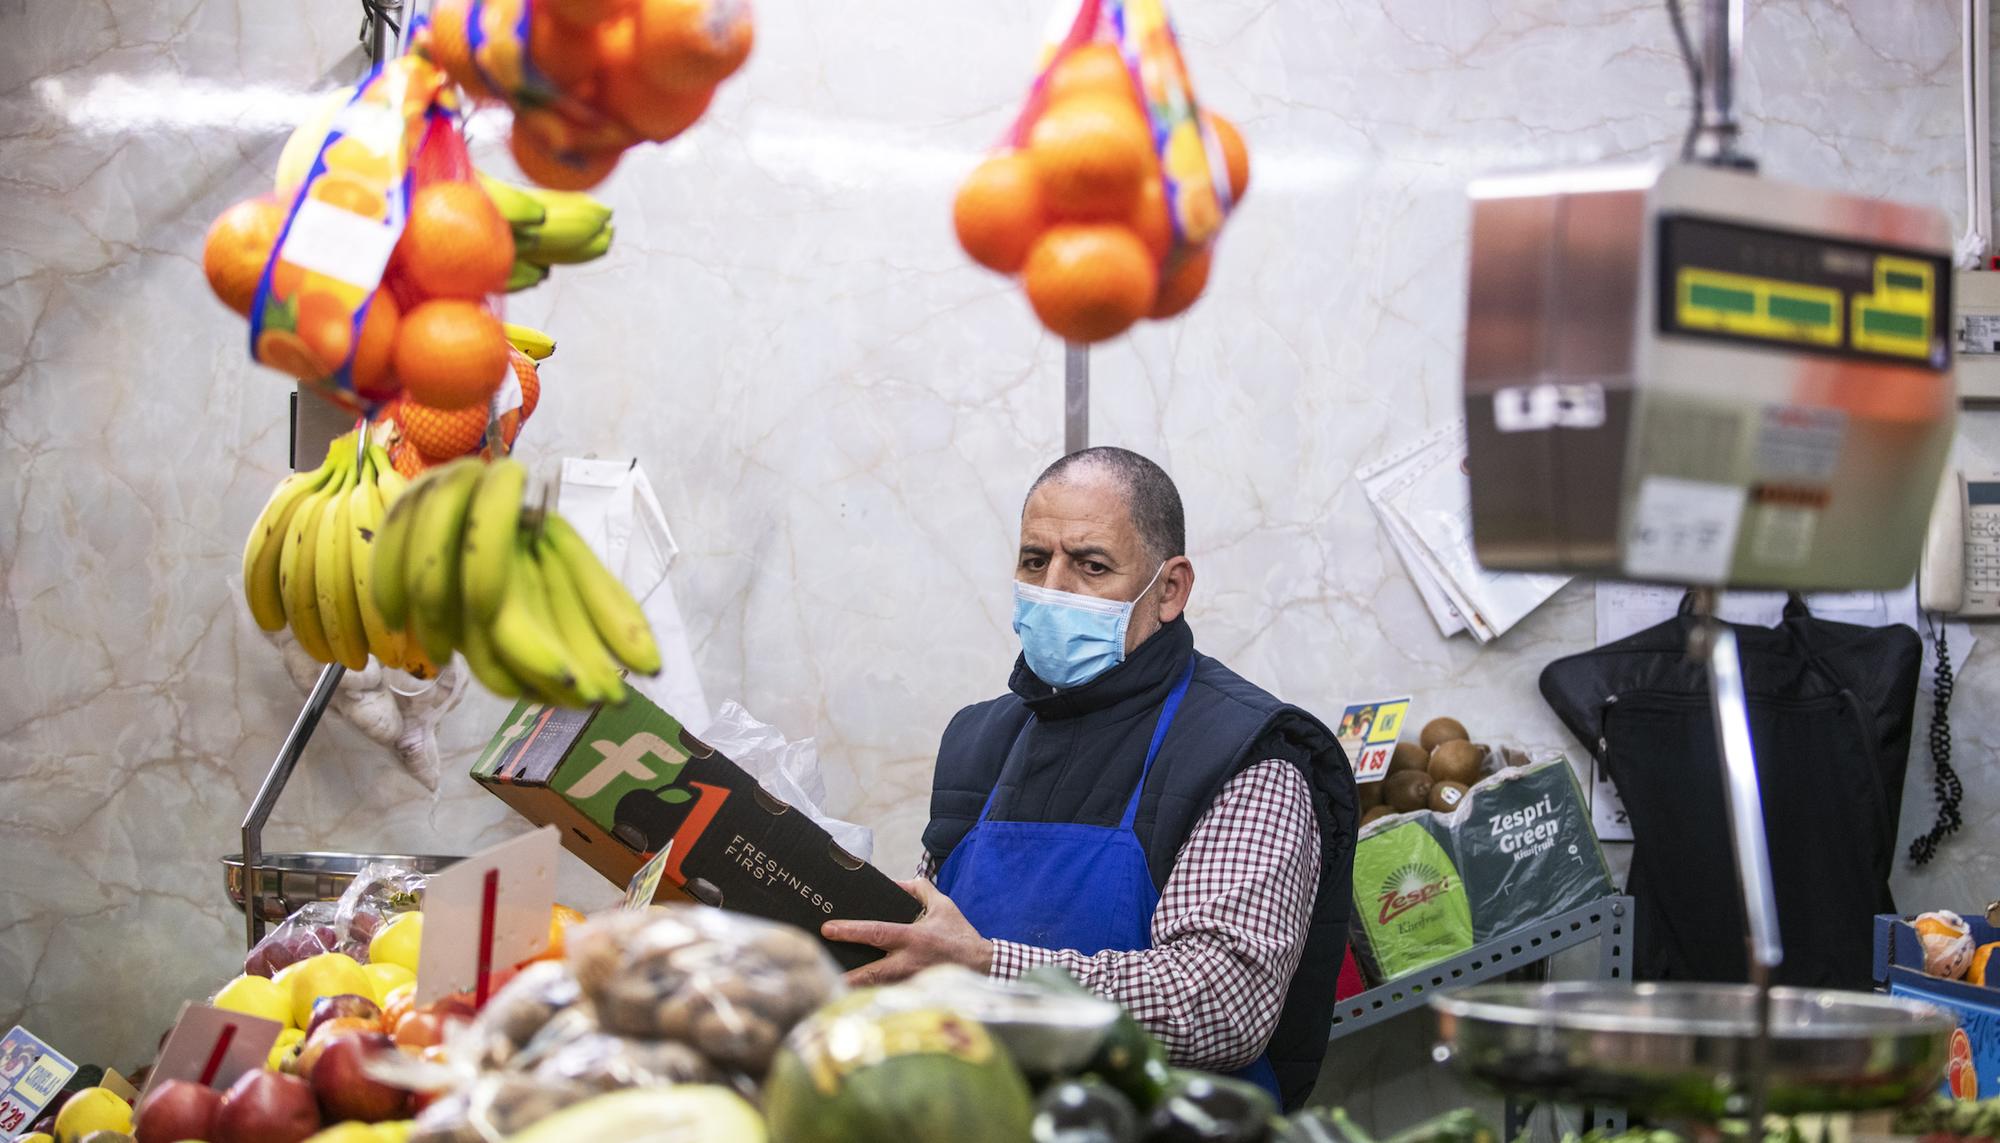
pixel 1055 885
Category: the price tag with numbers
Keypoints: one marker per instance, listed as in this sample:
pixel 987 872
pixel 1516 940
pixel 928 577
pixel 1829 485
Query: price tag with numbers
pixel 31 1074
pixel 1607 810
pixel 645 884
pixel 1368 732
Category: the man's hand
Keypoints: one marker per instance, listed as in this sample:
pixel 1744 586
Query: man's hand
pixel 941 936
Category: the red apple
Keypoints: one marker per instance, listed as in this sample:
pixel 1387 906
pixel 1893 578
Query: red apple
pixel 267 1107
pixel 348 1006
pixel 338 1028
pixel 347 1091
pixel 177 1110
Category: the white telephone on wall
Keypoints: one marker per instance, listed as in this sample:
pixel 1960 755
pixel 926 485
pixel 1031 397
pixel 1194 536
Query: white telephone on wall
pixel 1960 574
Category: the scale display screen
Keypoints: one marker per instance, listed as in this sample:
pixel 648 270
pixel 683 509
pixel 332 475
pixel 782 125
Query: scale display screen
pixel 1732 282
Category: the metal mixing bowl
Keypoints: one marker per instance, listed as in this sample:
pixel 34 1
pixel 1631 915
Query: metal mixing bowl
pixel 289 880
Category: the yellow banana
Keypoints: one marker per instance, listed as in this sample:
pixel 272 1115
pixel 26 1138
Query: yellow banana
pixel 391 577
pixel 487 553
pixel 296 565
pixel 433 556
pixel 533 342
pixel 333 579
pixel 515 204
pixel 596 670
pixel 588 211
pixel 613 611
pixel 485 662
pixel 267 543
pixel 364 511
pixel 589 250
pixel 532 652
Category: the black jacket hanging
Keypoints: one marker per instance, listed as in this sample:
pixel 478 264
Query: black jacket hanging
pixel 1830 712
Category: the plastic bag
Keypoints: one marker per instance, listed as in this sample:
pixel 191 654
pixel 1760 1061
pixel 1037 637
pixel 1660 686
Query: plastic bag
pixel 382 890
pixel 1113 166
pixel 493 1107
pixel 308 932
pixel 393 708
pixel 789 771
pixel 588 79
pixel 728 985
pixel 514 1016
pixel 606 1062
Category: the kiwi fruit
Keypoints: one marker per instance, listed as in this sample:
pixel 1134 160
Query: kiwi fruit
pixel 1441 730
pixel 1408 756
pixel 1446 796
pixel 1407 791
pixel 1457 760
pixel 1375 814
pixel 1367 795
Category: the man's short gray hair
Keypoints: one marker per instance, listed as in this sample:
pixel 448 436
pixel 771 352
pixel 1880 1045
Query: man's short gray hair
pixel 1150 495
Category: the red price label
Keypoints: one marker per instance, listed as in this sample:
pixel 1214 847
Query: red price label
pixel 12 1115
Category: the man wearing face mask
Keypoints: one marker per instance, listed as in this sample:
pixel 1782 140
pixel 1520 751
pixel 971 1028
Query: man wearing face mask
pixel 1178 839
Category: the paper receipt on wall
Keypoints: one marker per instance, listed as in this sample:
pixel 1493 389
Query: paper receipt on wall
pixel 1368 732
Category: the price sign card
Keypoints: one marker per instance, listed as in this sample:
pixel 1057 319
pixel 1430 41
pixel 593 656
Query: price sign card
pixel 1368 732
pixel 31 1074
pixel 213 1046
pixel 487 913
pixel 645 884
pixel 1607 810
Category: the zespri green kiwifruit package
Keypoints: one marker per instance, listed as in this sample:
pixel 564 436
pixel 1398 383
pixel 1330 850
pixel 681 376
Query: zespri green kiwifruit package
pixel 1410 904
pixel 1524 841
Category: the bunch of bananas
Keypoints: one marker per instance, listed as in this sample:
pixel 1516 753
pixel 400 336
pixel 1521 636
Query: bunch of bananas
pixel 517 592
pixel 551 228
pixel 308 563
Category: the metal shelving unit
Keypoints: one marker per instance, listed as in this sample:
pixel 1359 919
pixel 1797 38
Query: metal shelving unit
pixel 1607 920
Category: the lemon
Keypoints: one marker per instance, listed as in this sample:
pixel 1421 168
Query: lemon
pixel 387 978
pixel 93 1109
pixel 283 977
pixel 349 1132
pixel 398 941
pixel 287 1040
pixel 256 996
pixel 328 974
pixel 395 1131
pixel 36 1137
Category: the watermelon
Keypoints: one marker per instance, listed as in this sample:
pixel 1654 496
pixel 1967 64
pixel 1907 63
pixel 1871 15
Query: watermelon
pixel 873 1067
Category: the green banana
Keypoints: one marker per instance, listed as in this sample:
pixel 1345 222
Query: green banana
pixel 597 671
pixel 391 580
pixel 594 247
pixel 515 204
pixel 267 543
pixel 527 647
pixel 613 611
pixel 486 554
pixel 525 275
pixel 571 221
pixel 333 580
pixel 537 345
pixel 433 555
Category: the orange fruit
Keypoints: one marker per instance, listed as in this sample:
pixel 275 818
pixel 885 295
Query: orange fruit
pixel 530 377
pixel 451 51
pixel 998 212
pixel 1150 219
pixel 580 14
pixel 561 918
pixel 324 329
pixel 559 170
pixel 1092 154
pixel 372 378
pixel 1182 283
pixel 455 243
pixel 693 43
pixel 238 245
pixel 563 56
pixel 1235 155
pixel 653 113
pixel 1090 281
pixel 285 351
pixel 449 353
pixel 441 434
pixel 1092 69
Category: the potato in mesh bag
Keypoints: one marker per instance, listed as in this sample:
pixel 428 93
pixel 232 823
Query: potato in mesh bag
pixel 514 1015
pixel 493 1107
pixel 727 985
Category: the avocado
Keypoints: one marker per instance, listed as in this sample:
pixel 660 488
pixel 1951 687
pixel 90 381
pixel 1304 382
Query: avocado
pixel 1407 792
pixel 1458 761
pixel 1445 796
pixel 1408 756
pixel 1441 730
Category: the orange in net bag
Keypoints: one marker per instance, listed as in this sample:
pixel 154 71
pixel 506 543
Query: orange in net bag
pixel 589 79
pixel 1111 186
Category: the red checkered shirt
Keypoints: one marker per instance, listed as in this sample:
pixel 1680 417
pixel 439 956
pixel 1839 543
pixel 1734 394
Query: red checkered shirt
pixel 1228 930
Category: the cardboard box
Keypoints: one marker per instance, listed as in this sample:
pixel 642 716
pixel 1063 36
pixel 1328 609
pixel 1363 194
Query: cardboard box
pixel 1974 1070
pixel 621 782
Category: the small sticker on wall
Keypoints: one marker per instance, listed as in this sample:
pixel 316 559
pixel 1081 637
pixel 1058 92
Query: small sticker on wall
pixel 1683 531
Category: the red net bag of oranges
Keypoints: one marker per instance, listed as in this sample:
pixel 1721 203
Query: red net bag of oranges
pixel 1110 188
pixel 588 79
pixel 378 275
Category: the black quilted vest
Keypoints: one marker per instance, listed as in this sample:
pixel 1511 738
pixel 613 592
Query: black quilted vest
pixel 1081 757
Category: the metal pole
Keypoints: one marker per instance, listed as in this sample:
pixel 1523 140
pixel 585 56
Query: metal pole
pixel 1076 397
pixel 1722 56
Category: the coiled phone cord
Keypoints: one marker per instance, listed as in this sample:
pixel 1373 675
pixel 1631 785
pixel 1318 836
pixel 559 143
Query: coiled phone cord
pixel 1944 780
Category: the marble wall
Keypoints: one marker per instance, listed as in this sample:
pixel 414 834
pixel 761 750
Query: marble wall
pixel 840 414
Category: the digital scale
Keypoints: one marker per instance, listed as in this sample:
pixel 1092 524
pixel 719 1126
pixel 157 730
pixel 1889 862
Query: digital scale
pixel 1687 374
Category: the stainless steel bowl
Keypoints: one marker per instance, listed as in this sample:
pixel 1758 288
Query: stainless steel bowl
pixel 288 880
pixel 1683 1049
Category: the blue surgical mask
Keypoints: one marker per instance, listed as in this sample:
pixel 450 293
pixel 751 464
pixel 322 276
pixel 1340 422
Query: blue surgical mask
pixel 1070 639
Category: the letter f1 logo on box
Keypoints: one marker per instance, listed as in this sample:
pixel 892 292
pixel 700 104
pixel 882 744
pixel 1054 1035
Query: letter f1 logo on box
pixel 1407 888
pixel 649 818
